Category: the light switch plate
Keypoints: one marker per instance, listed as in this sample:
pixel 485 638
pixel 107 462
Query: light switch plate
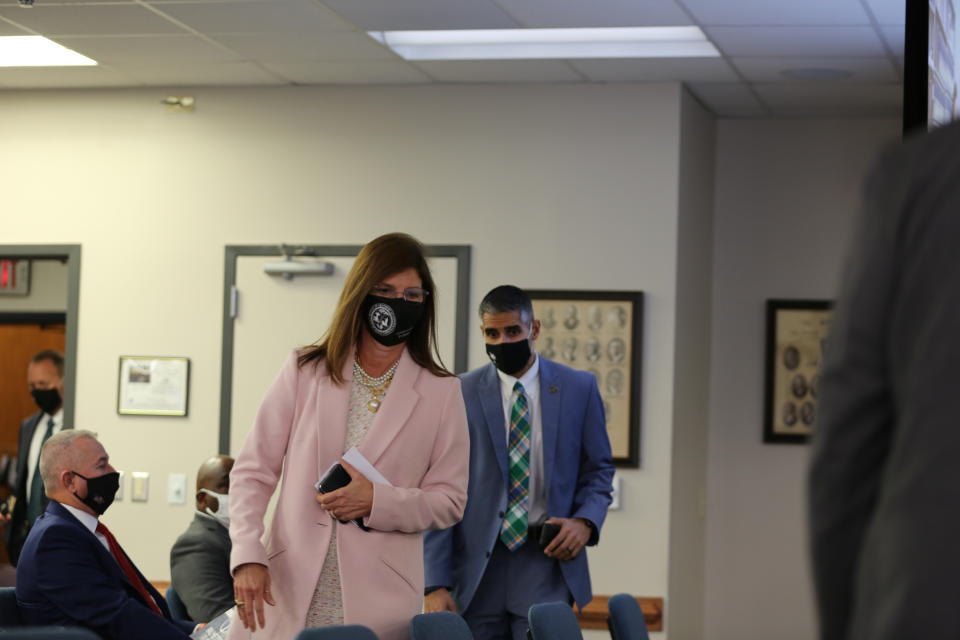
pixel 120 490
pixel 139 486
pixel 176 488
pixel 615 503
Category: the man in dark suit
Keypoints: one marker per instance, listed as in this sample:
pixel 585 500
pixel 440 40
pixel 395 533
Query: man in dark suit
pixel 539 455
pixel 885 478
pixel 200 558
pixel 72 571
pixel 45 380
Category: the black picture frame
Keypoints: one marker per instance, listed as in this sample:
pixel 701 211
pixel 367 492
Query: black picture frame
pixel 604 336
pixel 795 331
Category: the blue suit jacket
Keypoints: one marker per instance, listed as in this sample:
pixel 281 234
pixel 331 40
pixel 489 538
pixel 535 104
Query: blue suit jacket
pixel 578 469
pixel 67 577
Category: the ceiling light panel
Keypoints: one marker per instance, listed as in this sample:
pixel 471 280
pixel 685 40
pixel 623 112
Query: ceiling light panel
pixel 485 44
pixel 37 51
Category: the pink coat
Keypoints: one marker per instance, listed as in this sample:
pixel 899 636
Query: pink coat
pixel 418 441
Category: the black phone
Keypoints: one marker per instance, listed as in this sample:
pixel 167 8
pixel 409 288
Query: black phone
pixel 336 478
pixel 548 531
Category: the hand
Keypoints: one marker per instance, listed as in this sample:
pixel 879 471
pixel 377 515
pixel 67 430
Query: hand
pixel 574 534
pixel 439 600
pixel 251 586
pixel 352 501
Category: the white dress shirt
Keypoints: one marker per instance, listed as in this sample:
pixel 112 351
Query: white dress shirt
pixel 531 387
pixel 90 522
pixel 33 454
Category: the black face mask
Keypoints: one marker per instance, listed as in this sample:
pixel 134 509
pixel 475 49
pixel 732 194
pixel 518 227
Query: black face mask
pixel 47 399
pixel 510 357
pixel 100 491
pixel 390 320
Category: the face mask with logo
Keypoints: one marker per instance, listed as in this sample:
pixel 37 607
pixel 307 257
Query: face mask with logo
pixel 390 320
pixel 100 491
pixel 510 357
pixel 47 399
pixel 222 514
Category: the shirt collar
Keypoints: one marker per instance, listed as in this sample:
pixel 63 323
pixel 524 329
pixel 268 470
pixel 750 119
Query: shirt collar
pixel 57 417
pixel 527 380
pixel 86 519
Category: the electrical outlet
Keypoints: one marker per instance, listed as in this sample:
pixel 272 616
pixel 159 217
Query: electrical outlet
pixel 119 495
pixel 176 488
pixel 615 503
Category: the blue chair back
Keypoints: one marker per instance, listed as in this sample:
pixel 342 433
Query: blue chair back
pixel 49 633
pixel 9 611
pixel 338 632
pixel 553 621
pixel 178 610
pixel 439 626
pixel 626 619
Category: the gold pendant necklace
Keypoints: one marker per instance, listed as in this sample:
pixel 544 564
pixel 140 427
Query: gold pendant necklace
pixel 376 386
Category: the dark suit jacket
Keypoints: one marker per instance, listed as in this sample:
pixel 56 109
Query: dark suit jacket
pixel 200 568
pixel 578 469
pixel 66 577
pixel 884 482
pixel 18 525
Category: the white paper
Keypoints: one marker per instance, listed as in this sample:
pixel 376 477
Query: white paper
pixel 361 464
pixel 217 628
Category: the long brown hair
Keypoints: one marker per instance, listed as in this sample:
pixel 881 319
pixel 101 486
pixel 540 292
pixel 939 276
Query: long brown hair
pixel 379 259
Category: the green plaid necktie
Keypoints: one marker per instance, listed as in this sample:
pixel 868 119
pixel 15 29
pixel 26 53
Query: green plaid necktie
pixel 513 532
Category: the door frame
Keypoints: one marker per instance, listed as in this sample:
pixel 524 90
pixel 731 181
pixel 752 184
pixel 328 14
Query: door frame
pixel 70 253
pixel 462 254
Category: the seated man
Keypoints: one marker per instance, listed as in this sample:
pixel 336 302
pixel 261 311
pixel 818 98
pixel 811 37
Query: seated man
pixel 72 572
pixel 200 558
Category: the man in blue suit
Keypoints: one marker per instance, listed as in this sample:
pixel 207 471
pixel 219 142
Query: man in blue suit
pixel 540 462
pixel 72 571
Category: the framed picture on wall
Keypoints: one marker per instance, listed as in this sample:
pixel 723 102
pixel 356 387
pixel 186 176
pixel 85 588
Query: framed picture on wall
pixel 600 332
pixel 153 385
pixel 796 330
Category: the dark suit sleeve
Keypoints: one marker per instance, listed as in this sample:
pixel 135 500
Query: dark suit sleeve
pixel 438 557
pixel 200 574
pixel 855 419
pixel 594 482
pixel 74 581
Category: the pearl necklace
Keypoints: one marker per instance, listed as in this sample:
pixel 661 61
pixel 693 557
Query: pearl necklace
pixel 377 386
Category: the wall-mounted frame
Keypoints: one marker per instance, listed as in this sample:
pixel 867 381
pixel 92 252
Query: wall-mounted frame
pixel 600 332
pixel 153 386
pixel 796 330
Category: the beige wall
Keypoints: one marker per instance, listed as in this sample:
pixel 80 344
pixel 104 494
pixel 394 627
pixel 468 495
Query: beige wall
pixel 570 187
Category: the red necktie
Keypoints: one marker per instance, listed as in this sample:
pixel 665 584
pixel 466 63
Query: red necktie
pixel 128 569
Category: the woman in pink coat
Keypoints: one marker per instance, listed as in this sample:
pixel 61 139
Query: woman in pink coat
pixel 373 381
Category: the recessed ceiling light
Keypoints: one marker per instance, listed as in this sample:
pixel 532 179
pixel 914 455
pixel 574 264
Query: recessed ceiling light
pixel 816 73
pixel 37 51
pixel 482 44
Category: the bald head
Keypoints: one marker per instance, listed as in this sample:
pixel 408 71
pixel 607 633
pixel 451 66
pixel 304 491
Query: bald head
pixel 213 475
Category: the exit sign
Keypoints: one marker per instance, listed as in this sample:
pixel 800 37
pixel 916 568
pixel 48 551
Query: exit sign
pixel 14 277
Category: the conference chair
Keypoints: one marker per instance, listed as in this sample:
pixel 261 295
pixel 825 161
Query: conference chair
pixel 178 610
pixel 626 619
pixel 445 625
pixel 553 621
pixel 338 632
pixel 49 633
pixel 9 612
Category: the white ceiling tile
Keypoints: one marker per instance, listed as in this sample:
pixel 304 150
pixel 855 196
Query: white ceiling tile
pixel 894 37
pixel 80 20
pixel 361 72
pixel 386 15
pixel 62 77
pixel 288 47
pixel 656 70
pixel 778 12
pixel 726 97
pixel 149 49
pixel 797 41
pixel 223 74
pixel 596 13
pixel 256 17
pixel 54 3
pixel 860 69
pixel 889 11
pixel 7 29
pixel 499 71
pixel 831 96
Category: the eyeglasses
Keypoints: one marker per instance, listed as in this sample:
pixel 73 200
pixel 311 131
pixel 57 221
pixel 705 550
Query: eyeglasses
pixel 410 294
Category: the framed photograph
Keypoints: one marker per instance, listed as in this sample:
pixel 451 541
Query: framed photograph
pixel 600 332
pixel 153 386
pixel 796 330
